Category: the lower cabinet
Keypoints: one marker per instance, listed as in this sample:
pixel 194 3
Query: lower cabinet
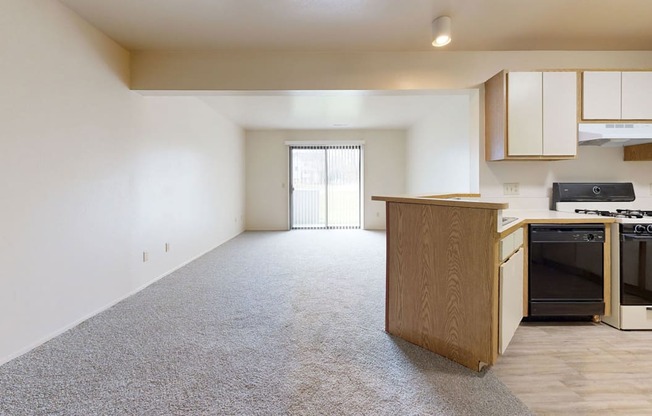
pixel 510 311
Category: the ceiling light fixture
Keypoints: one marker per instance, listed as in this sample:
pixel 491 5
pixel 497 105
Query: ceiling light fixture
pixel 441 31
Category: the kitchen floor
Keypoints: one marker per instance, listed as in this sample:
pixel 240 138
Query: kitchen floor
pixel 579 368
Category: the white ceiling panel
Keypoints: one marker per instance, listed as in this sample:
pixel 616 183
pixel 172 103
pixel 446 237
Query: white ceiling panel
pixel 370 25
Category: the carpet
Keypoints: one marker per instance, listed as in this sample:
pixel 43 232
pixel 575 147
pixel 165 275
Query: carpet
pixel 269 323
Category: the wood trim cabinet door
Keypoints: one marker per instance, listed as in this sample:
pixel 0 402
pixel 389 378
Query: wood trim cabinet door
pixel 525 109
pixel 511 299
pixel 601 91
pixel 559 113
pixel 636 95
pixel 531 116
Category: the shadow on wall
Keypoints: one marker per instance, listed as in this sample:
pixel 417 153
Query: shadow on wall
pixel 114 57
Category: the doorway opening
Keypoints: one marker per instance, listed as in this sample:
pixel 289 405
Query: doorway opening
pixel 325 189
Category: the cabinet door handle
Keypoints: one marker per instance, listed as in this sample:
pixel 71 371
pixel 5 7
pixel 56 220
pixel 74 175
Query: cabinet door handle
pixel 649 308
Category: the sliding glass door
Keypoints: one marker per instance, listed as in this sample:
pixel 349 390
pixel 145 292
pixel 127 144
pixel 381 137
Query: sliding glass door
pixel 325 191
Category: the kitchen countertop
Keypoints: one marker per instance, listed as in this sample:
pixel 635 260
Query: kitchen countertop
pixel 452 200
pixel 520 216
pixel 530 216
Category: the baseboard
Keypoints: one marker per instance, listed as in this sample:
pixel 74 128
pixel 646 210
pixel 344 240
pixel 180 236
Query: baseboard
pixel 256 229
pixel 68 327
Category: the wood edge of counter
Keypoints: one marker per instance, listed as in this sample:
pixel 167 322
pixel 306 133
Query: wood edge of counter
pixel 450 196
pixel 443 202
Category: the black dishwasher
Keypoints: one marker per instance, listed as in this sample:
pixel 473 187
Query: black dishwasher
pixel 566 272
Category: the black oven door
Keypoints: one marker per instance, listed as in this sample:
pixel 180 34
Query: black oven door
pixel 635 269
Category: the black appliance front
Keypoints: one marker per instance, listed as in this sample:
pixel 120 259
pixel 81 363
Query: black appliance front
pixel 592 192
pixel 635 266
pixel 566 269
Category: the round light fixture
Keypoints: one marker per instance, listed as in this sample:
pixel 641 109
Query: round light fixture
pixel 441 31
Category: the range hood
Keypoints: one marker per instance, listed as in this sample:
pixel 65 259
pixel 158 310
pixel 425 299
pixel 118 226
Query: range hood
pixel 614 135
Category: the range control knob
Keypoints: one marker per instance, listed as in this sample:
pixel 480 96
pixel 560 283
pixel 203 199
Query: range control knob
pixel 639 229
pixel 649 228
pixel 590 237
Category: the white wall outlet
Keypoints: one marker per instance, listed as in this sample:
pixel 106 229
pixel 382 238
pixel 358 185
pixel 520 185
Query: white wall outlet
pixel 145 256
pixel 167 247
pixel 510 188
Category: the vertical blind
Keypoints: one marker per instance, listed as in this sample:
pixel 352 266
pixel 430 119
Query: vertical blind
pixel 326 188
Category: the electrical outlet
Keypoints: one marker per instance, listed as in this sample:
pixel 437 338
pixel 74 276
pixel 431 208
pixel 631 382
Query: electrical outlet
pixel 167 247
pixel 145 256
pixel 510 188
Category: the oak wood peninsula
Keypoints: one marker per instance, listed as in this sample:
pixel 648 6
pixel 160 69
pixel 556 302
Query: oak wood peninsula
pixel 443 272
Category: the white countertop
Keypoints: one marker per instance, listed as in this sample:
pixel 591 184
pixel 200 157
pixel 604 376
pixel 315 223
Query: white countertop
pixel 534 215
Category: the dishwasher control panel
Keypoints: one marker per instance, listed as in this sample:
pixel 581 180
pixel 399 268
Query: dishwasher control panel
pixel 571 233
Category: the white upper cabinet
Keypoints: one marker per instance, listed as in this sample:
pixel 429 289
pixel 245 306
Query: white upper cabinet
pixel 524 120
pixel 615 96
pixel 601 95
pixel 559 113
pixel 531 115
pixel 542 114
pixel 636 95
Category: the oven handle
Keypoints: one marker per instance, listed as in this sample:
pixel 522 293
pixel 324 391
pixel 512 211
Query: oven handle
pixel 630 237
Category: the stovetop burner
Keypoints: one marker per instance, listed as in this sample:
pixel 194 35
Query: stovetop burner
pixel 614 200
pixel 638 212
pixel 619 213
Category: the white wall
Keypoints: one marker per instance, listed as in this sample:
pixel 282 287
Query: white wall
pixel 536 178
pixel 441 148
pixel 267 200
pixel 93 174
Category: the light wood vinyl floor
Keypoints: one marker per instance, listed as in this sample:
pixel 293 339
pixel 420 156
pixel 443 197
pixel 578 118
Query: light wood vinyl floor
pixel 579 368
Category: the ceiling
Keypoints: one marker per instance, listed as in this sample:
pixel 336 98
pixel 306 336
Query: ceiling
pixel 320 110
pixel 360 25
pixel 370 25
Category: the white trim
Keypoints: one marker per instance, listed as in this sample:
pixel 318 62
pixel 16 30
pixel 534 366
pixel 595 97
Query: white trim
pixel 60 331
pixel 325 143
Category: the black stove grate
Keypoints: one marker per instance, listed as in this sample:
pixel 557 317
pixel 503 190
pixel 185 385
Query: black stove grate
pixel 619 213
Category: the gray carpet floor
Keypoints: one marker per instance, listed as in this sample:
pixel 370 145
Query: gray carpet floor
pixel 271 323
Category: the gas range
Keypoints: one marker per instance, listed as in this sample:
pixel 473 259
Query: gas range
pixel 615 199
pixel 631 245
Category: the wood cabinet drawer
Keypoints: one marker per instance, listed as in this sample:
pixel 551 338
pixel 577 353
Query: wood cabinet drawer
pixel 510 244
